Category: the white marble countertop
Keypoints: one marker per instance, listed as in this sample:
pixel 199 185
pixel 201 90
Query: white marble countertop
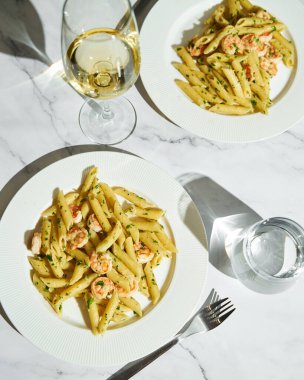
pixel 263 339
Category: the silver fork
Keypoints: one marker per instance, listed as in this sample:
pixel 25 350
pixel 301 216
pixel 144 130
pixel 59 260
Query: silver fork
pixel 213 312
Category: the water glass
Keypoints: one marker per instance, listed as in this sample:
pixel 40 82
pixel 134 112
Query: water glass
pixel 268 257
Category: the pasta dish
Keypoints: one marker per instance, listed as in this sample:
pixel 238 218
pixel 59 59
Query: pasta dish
pixel 229 66
pixel 90 246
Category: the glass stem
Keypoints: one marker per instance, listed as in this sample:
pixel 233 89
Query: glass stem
pixel 106 111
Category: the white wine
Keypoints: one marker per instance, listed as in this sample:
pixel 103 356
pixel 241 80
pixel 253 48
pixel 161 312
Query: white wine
pixel 103 63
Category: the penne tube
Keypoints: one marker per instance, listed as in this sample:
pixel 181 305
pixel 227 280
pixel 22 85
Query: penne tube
pixel 125 221
pixel 132 304
pixel 149 212
pixel 186 58
pixel 188 74
pixel 127 261
pixel 42 288
pixel 152 242
pixel 121 267
pixel 234 82
pixel 259 91
pixel 80 257
pixel 152 284
pixel 89 248
pixel 191 93
pixel 78 273
pixel 94 238
pixel 276 26
pixel 119 317
pixel 55 282
pixel 166 242
pixel 65 211
pixel 225 109
pixel 39 266
pixel 109 194
pixel 61 232
pixel 132 197
pixel 85 209
pixel 252 21
pixel 146 225
pixel 246 4
pixel 91 175
pixel 108 313
pixel 72 290
pixel 234 8
pixel 54 262
pixel 118 279
pixel 51 211
pixel 218 86
pixel 253 61
pixel 100 215
pixel 229 29
pixel 46 230
pixel 129 247
pixel 110 239
pixel 93 313
pixel 240 73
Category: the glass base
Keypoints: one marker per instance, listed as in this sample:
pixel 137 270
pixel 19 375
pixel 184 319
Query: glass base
pixel 107 122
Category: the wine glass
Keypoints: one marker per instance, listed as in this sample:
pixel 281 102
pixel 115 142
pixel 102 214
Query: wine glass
pixel 101 58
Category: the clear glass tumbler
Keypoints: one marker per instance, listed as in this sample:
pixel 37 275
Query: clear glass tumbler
pixel 268 257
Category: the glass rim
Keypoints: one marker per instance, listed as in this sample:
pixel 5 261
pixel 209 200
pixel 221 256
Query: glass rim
pixel 126 22
pixel 247 250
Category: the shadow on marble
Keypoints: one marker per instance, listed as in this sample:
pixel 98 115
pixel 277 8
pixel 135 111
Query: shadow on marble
pixel 19 179
pixel 222 214
pixel 141 11
pixel 21 31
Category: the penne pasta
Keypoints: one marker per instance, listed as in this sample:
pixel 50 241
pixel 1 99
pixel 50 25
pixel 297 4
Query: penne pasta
pixel 65 211
pixel 152 284
pixel 108 313
pixel 110 239
pixel 132 197
pixel 186 57
pixel 92 311
pixel 125 221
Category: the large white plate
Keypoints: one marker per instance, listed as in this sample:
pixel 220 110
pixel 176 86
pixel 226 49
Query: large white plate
pixel 68 338
pixel 172 22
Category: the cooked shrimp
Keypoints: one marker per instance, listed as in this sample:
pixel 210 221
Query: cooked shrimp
pixel 36 243
pixel 143 253
pixel 249 72
pixel 195 49
pixel 93 223
pixel 272 54
pixel 269 66
pixel 265 38
pixel 263 14
pixel 101 287
pixel 251 42
pixel 133 289
pixel 100 264
pixel 232 45
pixel 77 237
pixel 76 213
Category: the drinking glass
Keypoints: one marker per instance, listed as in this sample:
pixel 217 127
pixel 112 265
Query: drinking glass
pixel 100 52
pixel 268 257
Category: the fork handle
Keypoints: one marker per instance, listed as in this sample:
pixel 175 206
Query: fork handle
pixel 136 366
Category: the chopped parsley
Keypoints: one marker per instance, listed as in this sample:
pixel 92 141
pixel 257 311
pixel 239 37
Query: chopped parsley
pixel 89 302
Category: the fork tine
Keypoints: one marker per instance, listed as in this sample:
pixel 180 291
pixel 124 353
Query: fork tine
pixel 222 315
pixel 219 312
pixel 225 316
pixel 215 304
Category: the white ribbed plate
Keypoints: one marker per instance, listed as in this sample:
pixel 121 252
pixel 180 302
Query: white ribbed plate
pixel 172 22
pixel 68 338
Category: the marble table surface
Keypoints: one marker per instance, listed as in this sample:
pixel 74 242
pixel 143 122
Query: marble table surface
pixel 263 339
